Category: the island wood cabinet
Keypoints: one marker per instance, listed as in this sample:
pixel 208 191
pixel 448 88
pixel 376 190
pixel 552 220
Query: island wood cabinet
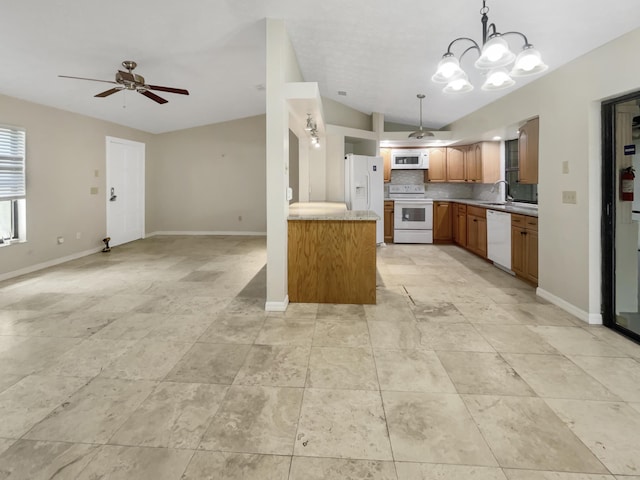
pixel 528 137
pixel 524 247
pixel 388 221
pixel 460 224
pixel 385 153
pixel 442 228
pixel 477 230
pixel 342 270
pixel 477 163
pixel 437 171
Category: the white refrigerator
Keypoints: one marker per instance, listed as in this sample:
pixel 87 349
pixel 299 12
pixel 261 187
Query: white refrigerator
pixel 364 187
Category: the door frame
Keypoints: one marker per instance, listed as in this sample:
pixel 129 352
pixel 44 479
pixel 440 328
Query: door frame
pixel 141 186
pixel 608 223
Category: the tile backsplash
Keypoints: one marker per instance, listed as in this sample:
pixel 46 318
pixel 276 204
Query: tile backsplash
pixel 407 177
pixel 439 191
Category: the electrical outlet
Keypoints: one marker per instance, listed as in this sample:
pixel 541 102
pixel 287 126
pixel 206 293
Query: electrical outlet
pixel 569 197
pixel 60 240
pixel 78 235
pixel 565 166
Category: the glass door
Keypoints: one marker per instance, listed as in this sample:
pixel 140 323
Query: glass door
pixel 621 217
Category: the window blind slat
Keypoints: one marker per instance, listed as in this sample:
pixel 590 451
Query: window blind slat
pixel 12 167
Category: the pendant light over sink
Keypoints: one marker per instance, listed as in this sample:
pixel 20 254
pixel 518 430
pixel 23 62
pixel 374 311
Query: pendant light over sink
pixel 495 56
pixel 418 134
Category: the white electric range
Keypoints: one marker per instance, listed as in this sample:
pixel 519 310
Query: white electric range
pixel 412 214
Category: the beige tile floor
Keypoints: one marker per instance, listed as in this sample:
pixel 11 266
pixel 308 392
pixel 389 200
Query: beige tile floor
pixel 157 362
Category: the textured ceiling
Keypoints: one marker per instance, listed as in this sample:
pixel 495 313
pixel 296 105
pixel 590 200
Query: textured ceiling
pixel 382 53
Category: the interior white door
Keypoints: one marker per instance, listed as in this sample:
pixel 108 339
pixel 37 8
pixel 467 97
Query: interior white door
pixel 125 190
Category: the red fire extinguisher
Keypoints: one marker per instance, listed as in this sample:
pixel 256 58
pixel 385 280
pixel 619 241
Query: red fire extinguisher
pixel 626 184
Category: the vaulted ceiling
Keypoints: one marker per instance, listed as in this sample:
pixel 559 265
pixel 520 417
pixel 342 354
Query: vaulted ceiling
pixel 380 52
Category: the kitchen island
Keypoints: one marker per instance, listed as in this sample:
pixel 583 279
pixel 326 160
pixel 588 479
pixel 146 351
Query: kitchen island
pixel 331 254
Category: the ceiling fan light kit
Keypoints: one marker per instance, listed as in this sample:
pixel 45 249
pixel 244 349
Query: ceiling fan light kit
pixel 132 81
pixel 494 56
pixel 418 134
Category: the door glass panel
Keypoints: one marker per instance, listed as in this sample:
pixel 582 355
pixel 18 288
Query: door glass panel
pixel 413 214
pixel 627 221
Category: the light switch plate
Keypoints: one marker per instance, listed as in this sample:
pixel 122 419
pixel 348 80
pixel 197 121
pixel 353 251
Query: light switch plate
pixel 569 197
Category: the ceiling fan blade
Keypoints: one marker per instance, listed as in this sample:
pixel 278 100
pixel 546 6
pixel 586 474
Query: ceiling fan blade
pixel 90 79
pixel 180 91
pixel 153 96
pixel 106 93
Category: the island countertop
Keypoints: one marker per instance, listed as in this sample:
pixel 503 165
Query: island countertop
pixel 328 211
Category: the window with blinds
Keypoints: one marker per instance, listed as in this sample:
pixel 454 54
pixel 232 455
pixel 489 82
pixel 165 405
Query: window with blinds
pixel 12 163
pixel 12 185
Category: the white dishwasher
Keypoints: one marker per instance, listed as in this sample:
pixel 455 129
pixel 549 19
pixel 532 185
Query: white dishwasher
pixel 499 238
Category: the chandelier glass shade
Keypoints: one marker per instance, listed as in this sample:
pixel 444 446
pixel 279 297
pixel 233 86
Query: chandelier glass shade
pixel 495 57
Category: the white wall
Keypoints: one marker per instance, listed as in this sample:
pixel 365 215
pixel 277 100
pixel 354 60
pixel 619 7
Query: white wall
pixel 203 179
pixel 335 113
pixel 282 67
pixel 568 104
pixel 64 152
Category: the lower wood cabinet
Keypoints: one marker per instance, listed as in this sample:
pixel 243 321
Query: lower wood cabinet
pixel 524 247
pixel 477 230
pixel 460 224
pixel 442 228
pixel 388 221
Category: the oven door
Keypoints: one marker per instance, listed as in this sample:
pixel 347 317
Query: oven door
pixel 412 215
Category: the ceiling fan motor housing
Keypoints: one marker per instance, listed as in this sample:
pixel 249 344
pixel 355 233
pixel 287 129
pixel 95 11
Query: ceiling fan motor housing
pixel 131 81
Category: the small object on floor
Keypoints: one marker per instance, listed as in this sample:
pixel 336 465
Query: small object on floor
pixel 106 248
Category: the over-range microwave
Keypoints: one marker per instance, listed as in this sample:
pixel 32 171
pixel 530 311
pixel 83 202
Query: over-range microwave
pixel 414 159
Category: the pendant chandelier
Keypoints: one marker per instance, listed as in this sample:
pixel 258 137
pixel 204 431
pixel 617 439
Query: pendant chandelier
pixel 495 57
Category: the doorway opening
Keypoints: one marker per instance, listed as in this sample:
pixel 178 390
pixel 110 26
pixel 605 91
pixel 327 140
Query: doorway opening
pixel 621 215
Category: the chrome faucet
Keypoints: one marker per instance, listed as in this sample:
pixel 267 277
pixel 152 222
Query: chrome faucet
pixel 493 189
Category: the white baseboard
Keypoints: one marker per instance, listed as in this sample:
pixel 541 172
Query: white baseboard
pixel 188 232
pixel 277 306
pixel 50 263
pixel 590 318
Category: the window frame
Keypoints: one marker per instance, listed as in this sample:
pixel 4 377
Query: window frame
pixel 513 185
pixel 18 201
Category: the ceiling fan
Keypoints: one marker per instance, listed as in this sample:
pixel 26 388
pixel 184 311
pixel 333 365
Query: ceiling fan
pixel 132 81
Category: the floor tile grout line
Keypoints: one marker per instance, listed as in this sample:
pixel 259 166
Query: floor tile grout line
pixel 384 410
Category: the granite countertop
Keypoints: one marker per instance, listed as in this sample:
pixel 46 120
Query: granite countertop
pixel 502 207
pixel 328 211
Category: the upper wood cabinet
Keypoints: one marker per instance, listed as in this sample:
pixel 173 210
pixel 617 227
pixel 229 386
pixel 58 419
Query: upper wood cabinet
pixel 437 165
pixel 385 153
pixel 477 163
pixel 456 157
pixel 528 152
